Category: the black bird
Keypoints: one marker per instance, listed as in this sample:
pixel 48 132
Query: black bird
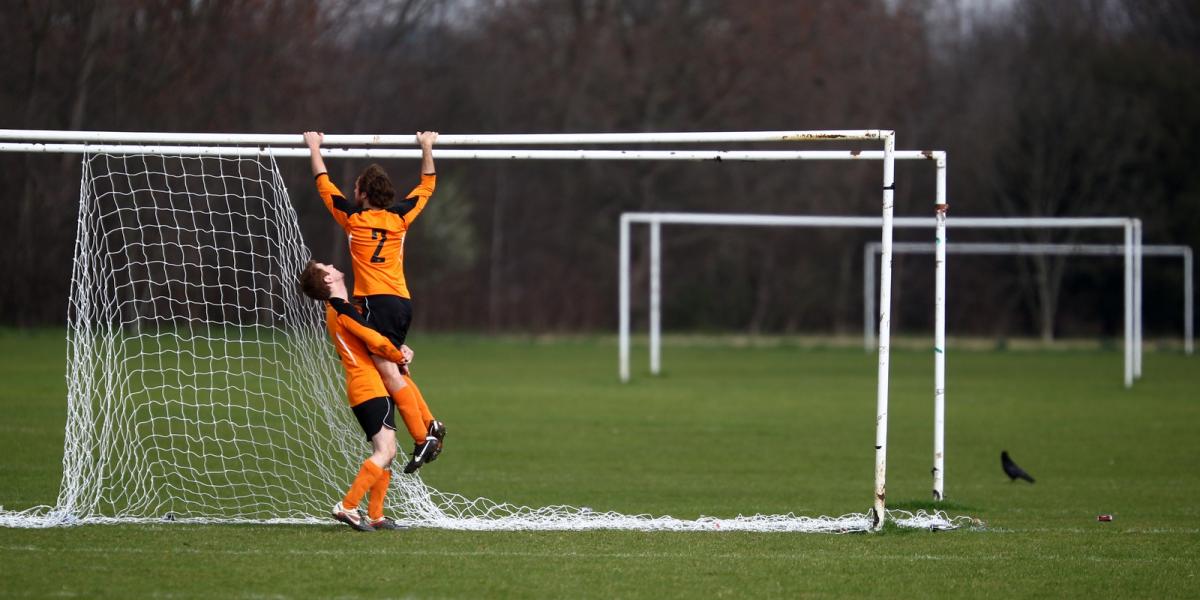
pixel 1011 469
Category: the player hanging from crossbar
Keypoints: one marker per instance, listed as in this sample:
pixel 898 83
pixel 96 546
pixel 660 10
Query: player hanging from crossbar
pixel 376 226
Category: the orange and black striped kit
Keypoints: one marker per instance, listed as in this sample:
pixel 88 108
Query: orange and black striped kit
pixel 377 235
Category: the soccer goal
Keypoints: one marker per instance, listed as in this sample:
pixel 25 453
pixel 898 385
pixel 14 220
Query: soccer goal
pixel 1184 253
pixel 201 385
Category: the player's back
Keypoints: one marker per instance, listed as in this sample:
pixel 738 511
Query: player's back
pixel 376 236
pixel 377 252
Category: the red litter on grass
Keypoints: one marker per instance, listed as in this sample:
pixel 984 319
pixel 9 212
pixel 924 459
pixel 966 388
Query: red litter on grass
pixel 1104 518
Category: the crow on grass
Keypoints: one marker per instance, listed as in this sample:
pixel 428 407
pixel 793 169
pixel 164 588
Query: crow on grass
pixel 1011 469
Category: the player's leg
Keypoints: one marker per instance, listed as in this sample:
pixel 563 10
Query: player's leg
pixel 384 443
pixel 424 445
pixel 346 511
pixel 406 401
pixel 433 427
pixel 416 414
pixel 391 316
pixel 426 415
pixel 373 416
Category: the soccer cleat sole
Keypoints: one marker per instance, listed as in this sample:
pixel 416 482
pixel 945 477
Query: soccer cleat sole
pixel 386 525
pixel 437 451
pixel 357 525
pixel 437 429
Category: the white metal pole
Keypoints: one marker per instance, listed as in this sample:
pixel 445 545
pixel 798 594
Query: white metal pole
pixel 1129 304
pixel 623 301
pixel 447 139
pixel 869 296
pixel 444 153
pixel 1188 299
pixel 939 338
pixel 885 332
pixel 1027 249
pixel 683 218
pixel 1137 299
pixel 655 297
pixel 1009 248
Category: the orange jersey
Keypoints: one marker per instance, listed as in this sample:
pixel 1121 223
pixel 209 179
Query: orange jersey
pixel 377 235
pixel 356 342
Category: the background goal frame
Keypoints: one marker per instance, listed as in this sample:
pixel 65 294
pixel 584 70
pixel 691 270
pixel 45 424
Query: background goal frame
pixel 1185 253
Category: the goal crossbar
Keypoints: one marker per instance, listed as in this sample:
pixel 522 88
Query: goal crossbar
pixel 452 154
pixel 523 139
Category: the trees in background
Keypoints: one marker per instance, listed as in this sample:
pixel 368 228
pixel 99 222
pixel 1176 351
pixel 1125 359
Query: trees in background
pixel 1077 107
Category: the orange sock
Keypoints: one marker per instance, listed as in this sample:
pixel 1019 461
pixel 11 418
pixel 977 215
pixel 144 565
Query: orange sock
pixel 426 416
pixel 408 406
pixel 366 476
pixel 378 491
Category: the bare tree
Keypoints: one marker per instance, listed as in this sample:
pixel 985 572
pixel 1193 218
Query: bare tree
pixel 1070 107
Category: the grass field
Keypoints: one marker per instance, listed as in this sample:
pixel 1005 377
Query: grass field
pixel 725 431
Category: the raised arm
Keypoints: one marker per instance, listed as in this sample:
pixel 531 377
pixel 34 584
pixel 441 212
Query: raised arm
pixel 313 140
pixel 412 205
pixel 337 204
pixel 426 140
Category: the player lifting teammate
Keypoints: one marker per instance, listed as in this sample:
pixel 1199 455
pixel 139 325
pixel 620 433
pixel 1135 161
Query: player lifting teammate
pixel 376 226
pixel 369 400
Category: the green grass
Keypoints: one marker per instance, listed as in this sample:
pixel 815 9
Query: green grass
pixel 541 423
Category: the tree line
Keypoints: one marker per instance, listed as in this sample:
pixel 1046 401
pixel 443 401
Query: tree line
pixel 1065 108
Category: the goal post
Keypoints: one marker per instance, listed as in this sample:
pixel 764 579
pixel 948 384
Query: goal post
pixel 1184 253
pixel 422 505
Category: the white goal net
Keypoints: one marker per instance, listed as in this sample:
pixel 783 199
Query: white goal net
pixel 202 386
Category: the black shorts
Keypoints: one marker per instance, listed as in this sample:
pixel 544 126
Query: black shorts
pixel 375 414
pixel 389 315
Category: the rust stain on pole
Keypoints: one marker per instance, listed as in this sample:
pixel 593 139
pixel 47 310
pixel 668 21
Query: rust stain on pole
pixel 821 136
